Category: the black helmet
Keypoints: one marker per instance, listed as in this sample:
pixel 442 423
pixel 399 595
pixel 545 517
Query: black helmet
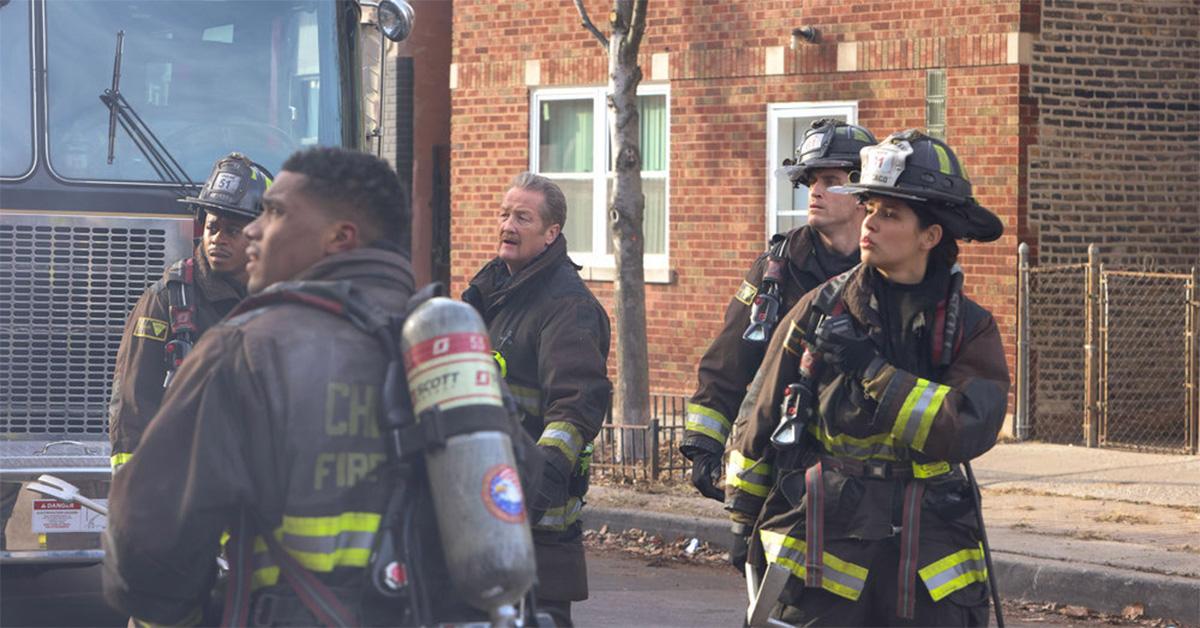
pixel 913 166
pixel 828 143
pixel 235 187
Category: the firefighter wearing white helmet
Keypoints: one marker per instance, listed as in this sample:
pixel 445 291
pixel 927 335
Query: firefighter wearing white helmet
pixel 886 384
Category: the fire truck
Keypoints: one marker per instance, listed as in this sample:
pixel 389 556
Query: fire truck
pixel 111 110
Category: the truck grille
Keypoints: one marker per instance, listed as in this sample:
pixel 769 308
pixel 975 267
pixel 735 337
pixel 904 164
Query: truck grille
pixel 66 285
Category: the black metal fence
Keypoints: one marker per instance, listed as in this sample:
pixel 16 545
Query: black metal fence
pixel 645 452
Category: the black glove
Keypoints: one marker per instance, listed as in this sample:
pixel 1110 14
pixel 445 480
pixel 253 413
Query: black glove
pixel 706 472
pixel 844 347
pixel 740 546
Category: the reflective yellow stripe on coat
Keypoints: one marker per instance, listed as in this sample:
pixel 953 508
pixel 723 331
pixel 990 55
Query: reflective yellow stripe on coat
pixel 562 517
pixel 748 476
pixel 956 571
pixel 707 421
pixel 319 544
pixel 841 577
pixel 119 459
pixel 876 446
pixel 916 414
pixel 528 399
pixel 564 437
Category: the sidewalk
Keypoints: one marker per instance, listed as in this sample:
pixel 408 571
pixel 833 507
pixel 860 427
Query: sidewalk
pixel 1097 528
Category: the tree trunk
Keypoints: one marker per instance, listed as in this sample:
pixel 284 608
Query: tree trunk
pixel 631 403
pixel 632 399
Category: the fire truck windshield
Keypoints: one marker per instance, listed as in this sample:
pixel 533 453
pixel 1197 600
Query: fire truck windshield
pixel 207 78
pixel 16 90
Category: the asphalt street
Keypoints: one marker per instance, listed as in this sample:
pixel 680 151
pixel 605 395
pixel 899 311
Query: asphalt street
pixel 625 591
pixel 628 591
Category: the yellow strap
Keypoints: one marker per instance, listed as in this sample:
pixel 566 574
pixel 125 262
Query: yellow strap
pixel 933 469
pixel 501 362
pixel 120 459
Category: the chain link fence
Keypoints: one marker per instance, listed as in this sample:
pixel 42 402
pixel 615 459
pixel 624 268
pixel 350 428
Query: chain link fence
pixel 1109 357
pixel 1057 300
pixel 1145 368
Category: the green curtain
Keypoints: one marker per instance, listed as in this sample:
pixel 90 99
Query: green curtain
pixel 565 140
pixel 653 113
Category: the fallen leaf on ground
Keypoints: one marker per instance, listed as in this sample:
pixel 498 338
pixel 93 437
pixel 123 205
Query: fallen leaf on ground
pixel 1078 612
pixel 1134 611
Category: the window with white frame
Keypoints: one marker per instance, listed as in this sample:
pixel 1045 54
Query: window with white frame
pixel 787 207
pixel 569 140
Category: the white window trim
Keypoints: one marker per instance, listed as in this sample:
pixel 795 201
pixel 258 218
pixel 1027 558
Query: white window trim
pixel 782 111
pixel 602 266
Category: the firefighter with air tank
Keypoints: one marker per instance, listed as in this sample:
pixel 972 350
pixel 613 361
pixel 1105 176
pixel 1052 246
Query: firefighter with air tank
pixel 352 440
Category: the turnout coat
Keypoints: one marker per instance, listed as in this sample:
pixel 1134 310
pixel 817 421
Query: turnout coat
pixel 729 363
pixel 141 367
pixel 553 338
pixel 879 458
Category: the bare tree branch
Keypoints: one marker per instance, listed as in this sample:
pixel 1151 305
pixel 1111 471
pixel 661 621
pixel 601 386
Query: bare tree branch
pixel 587 23
pixel 637 24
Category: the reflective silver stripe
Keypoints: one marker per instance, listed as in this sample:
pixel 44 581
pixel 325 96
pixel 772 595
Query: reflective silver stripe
pixel 876 446
pixel 707 426
pixel 564 437
pixel 708 422
pixel 954 572
pixel 914 417
pixel 750 476
pixel 841 577
pixel 329 544
pixel 529 399
pixel 562 517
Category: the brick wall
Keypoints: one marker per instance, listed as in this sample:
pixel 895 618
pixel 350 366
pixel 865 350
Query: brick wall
pixel 727 61
pixel 1116 160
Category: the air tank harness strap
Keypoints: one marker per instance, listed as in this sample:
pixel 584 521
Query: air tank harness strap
pixel 431 428
pixel 764 310
pixel 181 310
pixel 314 594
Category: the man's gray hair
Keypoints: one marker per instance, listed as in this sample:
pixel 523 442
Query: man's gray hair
pixel 554 205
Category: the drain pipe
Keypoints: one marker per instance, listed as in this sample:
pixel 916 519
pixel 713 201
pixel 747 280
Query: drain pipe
pixel 1021 420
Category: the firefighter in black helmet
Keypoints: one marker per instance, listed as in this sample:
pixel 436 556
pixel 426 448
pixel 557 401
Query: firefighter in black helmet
pixel 883 384
pixel 796 262
pixel 193 294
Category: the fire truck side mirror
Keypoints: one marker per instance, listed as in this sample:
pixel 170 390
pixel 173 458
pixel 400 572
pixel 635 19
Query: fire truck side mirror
pixel 394 19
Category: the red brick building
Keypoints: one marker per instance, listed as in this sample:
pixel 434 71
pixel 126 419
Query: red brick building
pixel 1078 122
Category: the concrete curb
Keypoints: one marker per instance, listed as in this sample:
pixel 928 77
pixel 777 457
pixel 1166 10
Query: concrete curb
pixel 1098 587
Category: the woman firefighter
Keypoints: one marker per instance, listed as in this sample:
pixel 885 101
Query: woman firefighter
pixel 846 470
